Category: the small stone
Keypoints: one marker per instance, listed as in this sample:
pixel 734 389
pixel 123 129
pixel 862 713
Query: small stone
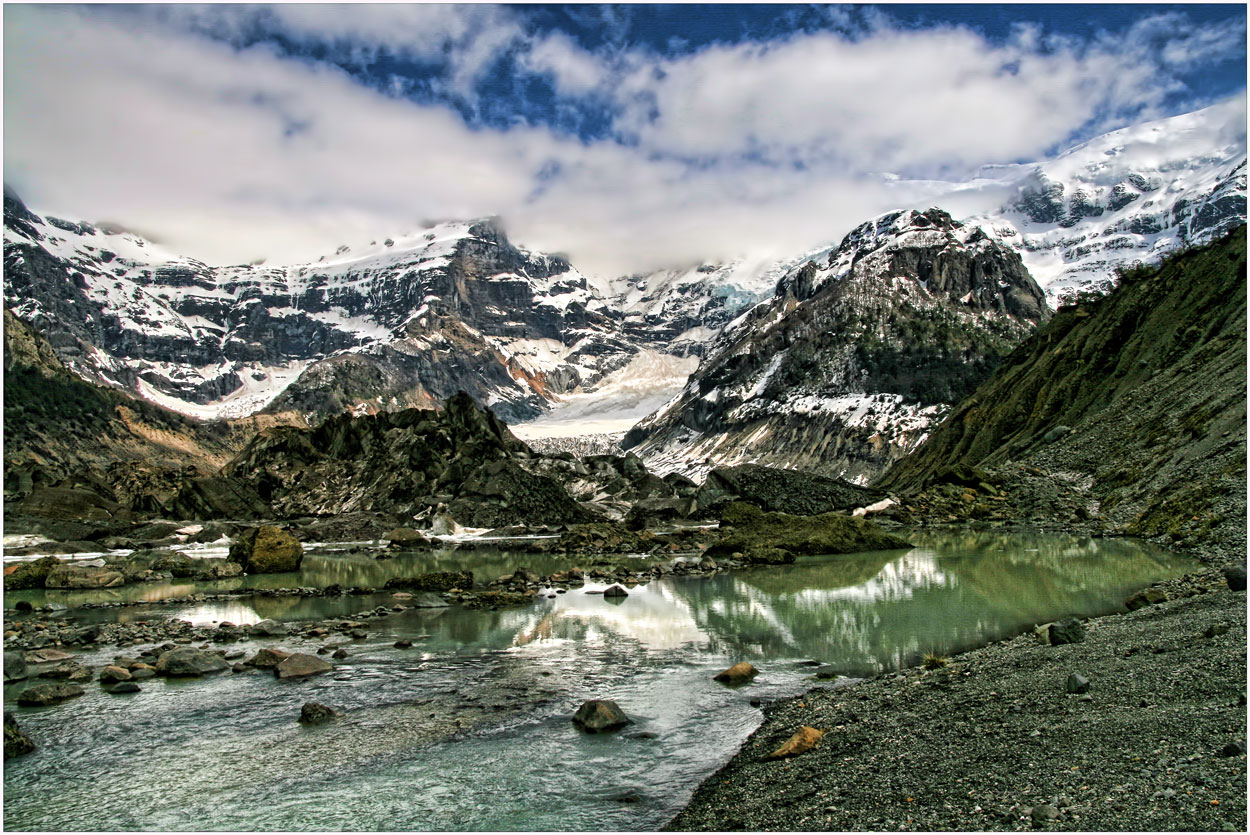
pixel 1236 748
pixel 804 740
pixel 598 715
pixel 1067 632
pixel 739 673
pixel 1215 629
pixel 125 687
pixel 1078 683
pixel 1043 813
pixel 313 713
pixel 339 654
pixel 403 643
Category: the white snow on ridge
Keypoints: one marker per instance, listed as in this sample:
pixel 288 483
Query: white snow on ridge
pixel 261 385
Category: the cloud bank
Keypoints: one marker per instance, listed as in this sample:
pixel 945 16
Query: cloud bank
pixel 231 133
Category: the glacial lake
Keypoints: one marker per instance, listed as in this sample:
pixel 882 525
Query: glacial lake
pixel 470 729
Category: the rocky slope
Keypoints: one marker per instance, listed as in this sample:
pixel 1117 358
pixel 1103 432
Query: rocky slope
pixel 1135 400
pixel 843 370
pixel 56 426
pixel 404 322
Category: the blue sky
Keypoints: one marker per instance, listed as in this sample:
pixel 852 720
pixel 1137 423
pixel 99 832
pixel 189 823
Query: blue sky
pixel 677 131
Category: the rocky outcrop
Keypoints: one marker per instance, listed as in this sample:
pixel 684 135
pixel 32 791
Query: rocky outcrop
pixel 1150 380
pixel 844 370
pixel 785 491
pixel 405 463
pixel 749 530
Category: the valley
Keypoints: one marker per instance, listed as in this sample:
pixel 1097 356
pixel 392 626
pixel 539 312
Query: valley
pixel 346 544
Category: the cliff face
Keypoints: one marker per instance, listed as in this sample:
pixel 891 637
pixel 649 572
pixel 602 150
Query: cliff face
pixel 1140 394
pixel 845 368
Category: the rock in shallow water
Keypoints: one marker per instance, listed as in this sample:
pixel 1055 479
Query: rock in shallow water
pixel 598 715
pixel 266 550
pixel 739 673
pixel 16 742
pixel 300 665
pixel 188 662
pixel 15 666
pixel 48 694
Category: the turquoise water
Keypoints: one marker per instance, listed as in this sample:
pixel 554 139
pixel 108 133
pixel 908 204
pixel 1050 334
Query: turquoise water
pixel 470 729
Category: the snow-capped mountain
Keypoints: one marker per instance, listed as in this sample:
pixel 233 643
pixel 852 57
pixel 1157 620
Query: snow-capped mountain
pixel 1129 195
pixel 405 322
pixel 855 355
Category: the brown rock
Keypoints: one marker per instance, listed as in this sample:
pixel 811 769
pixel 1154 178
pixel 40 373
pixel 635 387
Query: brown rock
pixel 300 665
pixel 739 673
pixel 267 659
pixel 802 742
pixel 113 674
pixel 267 550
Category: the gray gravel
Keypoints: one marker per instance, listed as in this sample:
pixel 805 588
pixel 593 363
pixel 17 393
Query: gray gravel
pixel 993 740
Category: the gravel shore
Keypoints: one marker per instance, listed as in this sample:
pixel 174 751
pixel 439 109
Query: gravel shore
pixel 994 741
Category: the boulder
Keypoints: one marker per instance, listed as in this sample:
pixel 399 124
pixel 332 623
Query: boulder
pixel 268 628
pixel 615 591
pixel 739 673
pixel 804 740
pixel 28 575
pixel 300 665
pixel 405 538
pixel 443 525
pixel 67 671
pixel 1067 632
pixel 15 666
pixel 1146 597
pixel 1235 576
pixel 1077 683
pixel 38 695
pixel 428 600
pixel 113 674
pixel 267 550
pixel 48 654
pixel 267 659
pixel 599 715
pixel 434 581
pixel 186 662
pixel 70 576
pixel 125 687
pixel 313 713
pixel 16 742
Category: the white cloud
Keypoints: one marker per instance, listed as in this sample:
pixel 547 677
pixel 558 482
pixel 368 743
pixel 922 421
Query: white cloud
pixel 229 153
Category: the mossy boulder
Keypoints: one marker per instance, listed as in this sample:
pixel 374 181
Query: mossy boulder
pixel 751 530
pixel 29 575
pixel 267 550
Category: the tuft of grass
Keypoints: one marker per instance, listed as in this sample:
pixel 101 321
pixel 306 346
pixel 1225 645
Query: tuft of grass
pixel 933 661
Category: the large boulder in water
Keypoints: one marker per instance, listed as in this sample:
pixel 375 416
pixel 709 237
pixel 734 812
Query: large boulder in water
pixel 313 713
pixel 29 575
pixel 186 662
pixel 15 666
pixel 267 550
pixel 16 742
pixel 39 695
pixel 83 577
pixel 300 665
pixel 598 715
pixel 739 673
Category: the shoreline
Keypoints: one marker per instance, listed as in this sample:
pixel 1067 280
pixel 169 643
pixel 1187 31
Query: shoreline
pixel 992 740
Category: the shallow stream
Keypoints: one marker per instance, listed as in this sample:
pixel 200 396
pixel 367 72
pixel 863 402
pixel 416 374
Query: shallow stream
pixel 470 728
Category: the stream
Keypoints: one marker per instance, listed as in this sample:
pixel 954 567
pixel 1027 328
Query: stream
pixel 470 729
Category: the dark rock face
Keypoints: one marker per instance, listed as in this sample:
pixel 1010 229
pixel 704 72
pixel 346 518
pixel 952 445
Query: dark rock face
pixel 402 463
pixel 600 715
pixel 186 662
pixel 845 368
pixel 16 742
pixel 784 491
pixel 267 550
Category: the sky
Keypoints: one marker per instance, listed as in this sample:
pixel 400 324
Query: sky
pixel 627 137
